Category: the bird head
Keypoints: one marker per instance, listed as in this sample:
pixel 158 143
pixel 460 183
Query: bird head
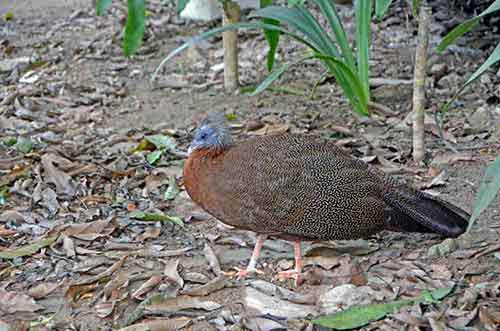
pixel 211 134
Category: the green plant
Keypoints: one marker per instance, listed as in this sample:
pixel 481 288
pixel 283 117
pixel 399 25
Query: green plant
pixel 459 31
pixel 135 25
pixel 334 51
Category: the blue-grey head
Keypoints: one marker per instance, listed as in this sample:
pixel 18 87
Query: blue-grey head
pixel 212 133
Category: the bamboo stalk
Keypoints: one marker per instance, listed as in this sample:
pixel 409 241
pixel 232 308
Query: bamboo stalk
pixel 419 83
pixel 230 44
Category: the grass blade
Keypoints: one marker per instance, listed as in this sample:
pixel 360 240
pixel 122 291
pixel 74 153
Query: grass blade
pixel 276 73
pixel 101 6
pixel 381 7
pixel 363 10
pixel 272 37
pixel 213 32
pixel 490 184
pixel 466 26
pixel 415 5
pixel 330 12
pixel 134 29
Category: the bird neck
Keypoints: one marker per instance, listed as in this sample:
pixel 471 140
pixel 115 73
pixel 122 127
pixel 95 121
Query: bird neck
pixel 198 170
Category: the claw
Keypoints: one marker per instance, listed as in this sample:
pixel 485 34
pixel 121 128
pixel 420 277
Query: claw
pixel 243 273
pixel 292 273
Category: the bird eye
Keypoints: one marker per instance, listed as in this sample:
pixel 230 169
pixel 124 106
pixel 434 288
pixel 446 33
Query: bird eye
pixel 203 136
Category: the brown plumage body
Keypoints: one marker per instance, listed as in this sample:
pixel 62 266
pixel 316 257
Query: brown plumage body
pixel 304 188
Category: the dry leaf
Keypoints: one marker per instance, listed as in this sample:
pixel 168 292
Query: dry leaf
pixel 60 179
pixel 42 290
pixel 212 259
pixel 172 274
pixel 13 302
pixel 180 303
pixel 146 287
pixel 160 325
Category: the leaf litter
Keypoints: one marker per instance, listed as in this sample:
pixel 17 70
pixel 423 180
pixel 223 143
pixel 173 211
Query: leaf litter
pixel 96 226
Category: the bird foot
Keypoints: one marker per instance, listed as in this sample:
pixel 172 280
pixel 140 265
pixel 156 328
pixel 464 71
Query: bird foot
pixel 292 273
pixel 243 273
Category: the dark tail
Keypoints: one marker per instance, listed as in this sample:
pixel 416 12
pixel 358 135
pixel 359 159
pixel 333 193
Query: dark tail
pixel 416 211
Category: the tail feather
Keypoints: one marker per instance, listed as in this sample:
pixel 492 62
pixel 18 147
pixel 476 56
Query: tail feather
pixel 416 211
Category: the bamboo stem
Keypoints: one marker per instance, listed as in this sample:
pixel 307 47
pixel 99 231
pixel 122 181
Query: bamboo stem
pixel 230 44
pixel 419 83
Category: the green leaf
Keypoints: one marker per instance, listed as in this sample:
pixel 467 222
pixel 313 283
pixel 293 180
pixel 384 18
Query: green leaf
pixel 229 27
pixel 275 74
pixel 101 6
pixel 162 142
pixel 381 7
pixel 172 190
pixel 31 249
pixel 349 82
pixel 490 61
pixel 10 141
pixel 358 316
pixel 154 156
pixel 490 184
pixel 4 193
pixel 156 217
pixel 457 32
pixel 331 14
pixel 466 26
pixel 272 37
pixel 363 11
pixel 24 145
pixel 134 29
pixel 181 4
pixel 415 5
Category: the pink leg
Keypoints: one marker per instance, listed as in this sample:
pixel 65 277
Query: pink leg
pixel 242 273
pixel 294 273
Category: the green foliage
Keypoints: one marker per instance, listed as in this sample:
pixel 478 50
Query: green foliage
pixel 466 26
pixel 181 4
pixel 358 316
pixel 134 28
pixel 272 36
pixel 490 185
pixel 336 55
pixel 101 6
pixel 156 217
pixel 459 31
pixel 381 7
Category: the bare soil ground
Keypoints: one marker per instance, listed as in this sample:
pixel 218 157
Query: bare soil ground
pixel 74 257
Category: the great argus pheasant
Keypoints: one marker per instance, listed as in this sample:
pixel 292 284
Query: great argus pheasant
pixel 302 188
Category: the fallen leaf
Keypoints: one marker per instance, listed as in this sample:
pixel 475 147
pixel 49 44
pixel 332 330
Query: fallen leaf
pixel 160 325
pixel 212 259
pixel 59 178
pixel 360 315
pixel 13 302
pixel 146 287
pixel 42 290
pixel 172 274
pixel 215 284
pixel 180 303
pixel 150 217
pixel 28 249
pixel 172 190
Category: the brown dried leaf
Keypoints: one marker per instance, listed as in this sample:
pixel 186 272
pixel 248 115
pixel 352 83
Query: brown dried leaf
pixel 160 325
pixel 68 246
pixel 59 178
pixel 215 284
pixel 487 320
pixel 13 302
pixel 212 259
pixel 172 274
pixel 108 272
pixel 180 303
pixel 42 290
pixel 146 287
pixel 151 232
pixel 104 309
